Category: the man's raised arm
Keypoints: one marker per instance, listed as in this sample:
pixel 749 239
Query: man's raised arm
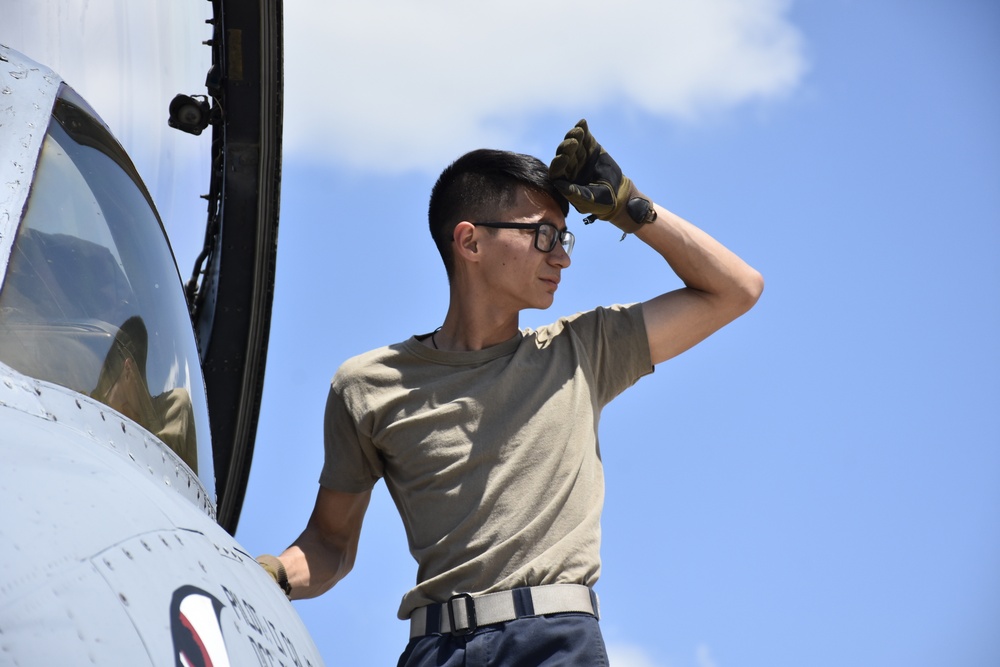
pixel 719 286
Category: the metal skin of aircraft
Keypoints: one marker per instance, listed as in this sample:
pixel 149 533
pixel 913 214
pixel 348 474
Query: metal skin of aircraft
pixel 128 404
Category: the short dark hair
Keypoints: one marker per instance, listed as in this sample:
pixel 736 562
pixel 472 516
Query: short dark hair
pixel 480 186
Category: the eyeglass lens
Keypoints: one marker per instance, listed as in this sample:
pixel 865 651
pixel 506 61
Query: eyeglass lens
pixel 548 235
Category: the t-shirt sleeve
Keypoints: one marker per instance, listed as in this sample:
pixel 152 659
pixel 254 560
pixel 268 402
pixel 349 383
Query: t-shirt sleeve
pixel 614 339
pixel 351 462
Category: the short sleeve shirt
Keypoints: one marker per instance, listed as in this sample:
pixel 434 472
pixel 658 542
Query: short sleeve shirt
pixel 491 456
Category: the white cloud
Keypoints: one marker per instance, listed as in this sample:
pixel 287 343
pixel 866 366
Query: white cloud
pixel 631 655
pixel 128 60
pixel 397 84
pixel 628 655
pixel 704 656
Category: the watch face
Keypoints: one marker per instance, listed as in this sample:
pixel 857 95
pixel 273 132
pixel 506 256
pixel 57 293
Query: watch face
pixel 641 210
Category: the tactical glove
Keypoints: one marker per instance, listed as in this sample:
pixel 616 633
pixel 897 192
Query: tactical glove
pixel 276 569
pixel 593 182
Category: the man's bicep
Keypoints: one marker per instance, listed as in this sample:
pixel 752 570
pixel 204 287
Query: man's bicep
pixel 679 320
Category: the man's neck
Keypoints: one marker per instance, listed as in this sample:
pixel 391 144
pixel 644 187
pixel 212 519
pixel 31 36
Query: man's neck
pixel 472 325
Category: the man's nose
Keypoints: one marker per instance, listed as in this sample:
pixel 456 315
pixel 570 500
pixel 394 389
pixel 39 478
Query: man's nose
pixel 560 257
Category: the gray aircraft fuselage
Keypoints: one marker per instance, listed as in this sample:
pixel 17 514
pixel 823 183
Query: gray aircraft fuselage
pixel 110 539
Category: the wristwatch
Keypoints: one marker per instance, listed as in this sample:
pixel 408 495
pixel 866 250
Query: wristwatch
pixel 640 210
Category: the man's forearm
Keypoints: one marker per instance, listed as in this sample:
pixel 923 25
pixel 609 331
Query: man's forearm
pixel 315 565
pixel 719 286
pixel 325 551
pixel 701 262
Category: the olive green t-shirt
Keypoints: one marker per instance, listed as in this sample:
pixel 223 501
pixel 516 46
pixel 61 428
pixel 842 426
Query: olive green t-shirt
pixel 491 456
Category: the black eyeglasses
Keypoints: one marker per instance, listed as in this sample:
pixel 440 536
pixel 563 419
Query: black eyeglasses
pixel 546 234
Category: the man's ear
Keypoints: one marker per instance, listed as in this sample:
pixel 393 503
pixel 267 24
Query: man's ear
pixel 466 243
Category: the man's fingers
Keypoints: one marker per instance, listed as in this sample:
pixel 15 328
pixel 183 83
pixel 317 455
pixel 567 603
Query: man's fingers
pixel 570 157
pixel 591 198
pixel 591 180
pixel 580 194
pixel 587 140
pixel 564 164
pixel 574 154
pixel 576 194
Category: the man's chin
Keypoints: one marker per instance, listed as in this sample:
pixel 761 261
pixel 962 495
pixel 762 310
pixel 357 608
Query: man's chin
pixel 543 305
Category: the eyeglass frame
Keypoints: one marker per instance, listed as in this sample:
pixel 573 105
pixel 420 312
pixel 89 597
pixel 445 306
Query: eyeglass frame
pixel 558 238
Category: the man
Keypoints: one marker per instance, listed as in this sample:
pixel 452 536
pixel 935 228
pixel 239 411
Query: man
pixel 122 385
pixel 486 434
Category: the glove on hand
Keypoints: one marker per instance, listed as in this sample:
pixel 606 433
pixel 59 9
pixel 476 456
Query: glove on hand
pixel 276 569
pixel 593 182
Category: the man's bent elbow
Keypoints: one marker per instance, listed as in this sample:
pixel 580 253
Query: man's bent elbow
pixel 746 291
pixel 754 287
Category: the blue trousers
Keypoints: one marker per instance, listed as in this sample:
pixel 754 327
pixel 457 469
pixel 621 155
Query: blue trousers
pixel 559 640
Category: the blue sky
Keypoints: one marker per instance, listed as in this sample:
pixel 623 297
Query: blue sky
pixel 819 483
